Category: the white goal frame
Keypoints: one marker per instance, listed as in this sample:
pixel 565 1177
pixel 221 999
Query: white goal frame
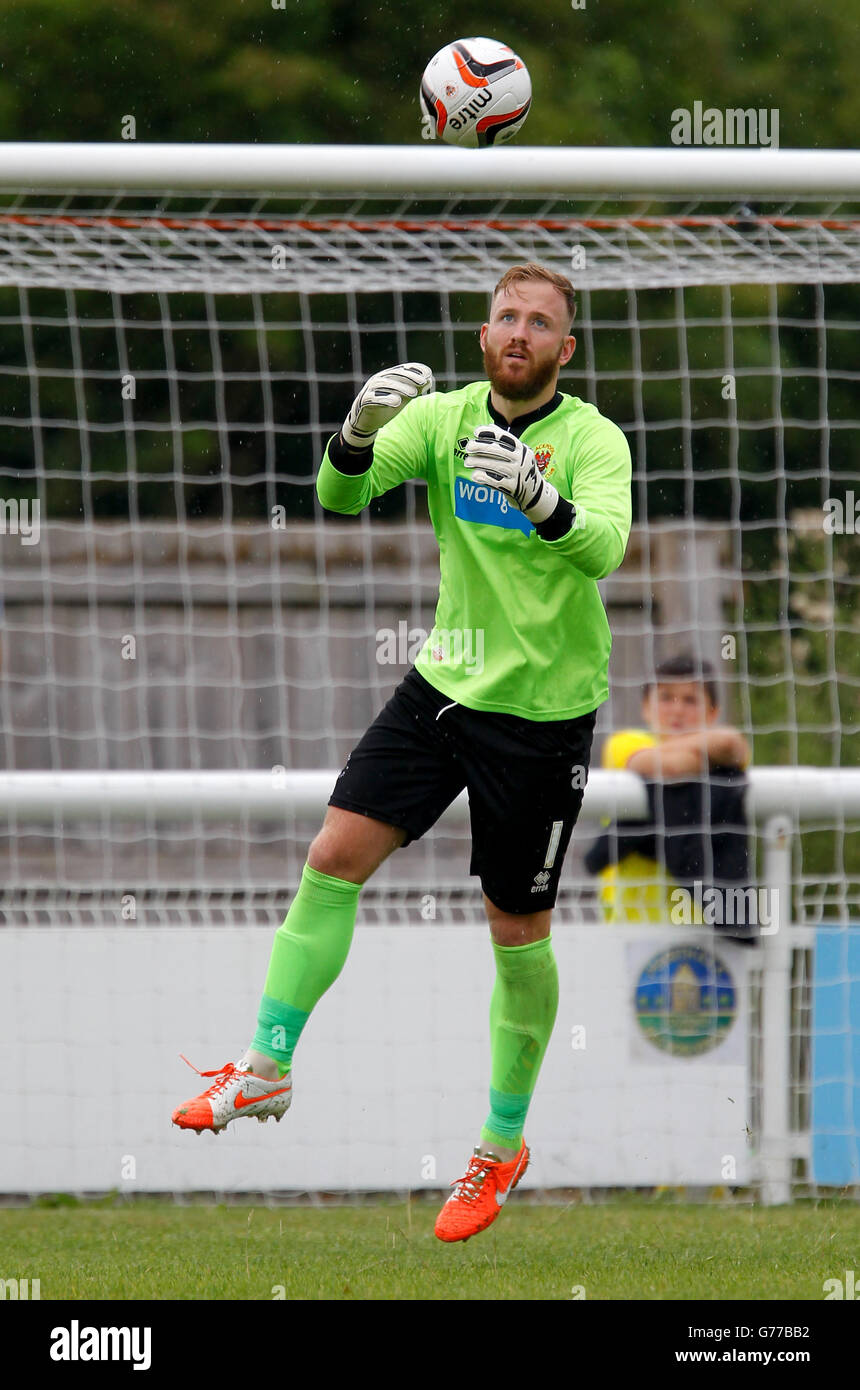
pixel 411 169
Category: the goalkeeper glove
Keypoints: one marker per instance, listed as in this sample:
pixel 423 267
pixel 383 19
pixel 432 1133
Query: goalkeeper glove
pixel 502 461
pixel 381 398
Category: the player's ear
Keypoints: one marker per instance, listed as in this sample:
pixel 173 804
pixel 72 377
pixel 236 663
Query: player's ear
pixel 567 347
pixel 485 327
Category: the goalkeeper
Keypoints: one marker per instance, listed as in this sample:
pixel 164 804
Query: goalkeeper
pixel 529 495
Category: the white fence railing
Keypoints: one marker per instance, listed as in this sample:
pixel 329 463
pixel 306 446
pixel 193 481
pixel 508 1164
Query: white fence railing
pixel 800 792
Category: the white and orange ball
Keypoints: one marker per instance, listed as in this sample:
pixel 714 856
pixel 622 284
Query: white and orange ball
pixel 475 92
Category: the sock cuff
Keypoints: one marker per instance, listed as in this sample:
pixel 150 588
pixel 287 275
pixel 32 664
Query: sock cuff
pixel 326 890
pixel 516 962
pixel 507 1106
pixel 279 1026
pixel 506 1120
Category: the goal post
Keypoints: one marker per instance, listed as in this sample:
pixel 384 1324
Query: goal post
pixel 129 217
pixel 415 169
pixel 188 643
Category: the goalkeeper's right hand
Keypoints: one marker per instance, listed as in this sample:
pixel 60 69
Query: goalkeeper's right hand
pixel 383 397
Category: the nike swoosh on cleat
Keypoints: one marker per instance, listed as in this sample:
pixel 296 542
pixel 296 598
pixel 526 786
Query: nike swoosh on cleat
pixel 502 1197
pixel 240 1102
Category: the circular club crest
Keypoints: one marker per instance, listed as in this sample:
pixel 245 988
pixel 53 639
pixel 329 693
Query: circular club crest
pixel 543 457
pixel 686 1001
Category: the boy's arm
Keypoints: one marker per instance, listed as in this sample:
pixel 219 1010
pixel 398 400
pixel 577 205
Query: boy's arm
pixel 620 747
pixel 691 755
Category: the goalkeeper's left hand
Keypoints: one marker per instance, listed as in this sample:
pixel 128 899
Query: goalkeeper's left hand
pixel 502 461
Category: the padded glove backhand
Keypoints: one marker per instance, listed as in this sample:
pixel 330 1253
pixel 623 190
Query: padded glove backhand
pixel 502 461
pixel 381 398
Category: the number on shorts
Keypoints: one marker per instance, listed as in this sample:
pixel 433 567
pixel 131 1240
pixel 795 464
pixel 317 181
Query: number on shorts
pixel 552 847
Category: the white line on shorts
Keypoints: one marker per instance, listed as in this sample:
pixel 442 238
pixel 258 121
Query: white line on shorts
pixel 444 707
pixel 554 838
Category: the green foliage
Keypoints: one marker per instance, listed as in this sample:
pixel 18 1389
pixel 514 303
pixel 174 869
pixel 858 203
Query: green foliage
pixel 328 70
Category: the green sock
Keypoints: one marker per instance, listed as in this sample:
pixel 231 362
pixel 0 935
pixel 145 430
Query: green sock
pixel 308 954
pixel 522 1014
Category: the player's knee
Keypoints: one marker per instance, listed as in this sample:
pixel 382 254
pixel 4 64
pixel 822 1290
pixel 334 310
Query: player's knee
pixel 329 856
pixel 352 847
pixel 517 929
pixel 340 856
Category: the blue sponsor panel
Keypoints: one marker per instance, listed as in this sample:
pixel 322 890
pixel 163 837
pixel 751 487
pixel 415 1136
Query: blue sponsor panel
pixel 836 1057
pixel 477 502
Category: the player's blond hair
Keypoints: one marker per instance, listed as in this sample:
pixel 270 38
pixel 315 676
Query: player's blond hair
pixel 533 271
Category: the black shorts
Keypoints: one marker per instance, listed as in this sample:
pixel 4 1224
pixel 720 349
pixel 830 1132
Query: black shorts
pixel 525 781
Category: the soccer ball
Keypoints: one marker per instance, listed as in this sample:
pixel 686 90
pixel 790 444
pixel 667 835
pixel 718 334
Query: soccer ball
pixel 475 92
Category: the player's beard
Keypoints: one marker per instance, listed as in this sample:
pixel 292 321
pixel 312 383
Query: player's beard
pixel 521 387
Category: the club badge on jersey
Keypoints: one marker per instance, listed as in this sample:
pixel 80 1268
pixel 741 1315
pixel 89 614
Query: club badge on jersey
pixel 543 458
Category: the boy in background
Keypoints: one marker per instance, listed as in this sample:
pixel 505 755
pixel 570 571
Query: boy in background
pixel 693 767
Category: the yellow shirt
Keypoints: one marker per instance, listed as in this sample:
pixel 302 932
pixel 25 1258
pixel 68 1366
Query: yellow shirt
pixel 637 889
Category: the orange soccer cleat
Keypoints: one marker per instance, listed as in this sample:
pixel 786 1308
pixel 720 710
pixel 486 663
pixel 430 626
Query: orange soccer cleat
pixel 235 1092
pixel 479 1195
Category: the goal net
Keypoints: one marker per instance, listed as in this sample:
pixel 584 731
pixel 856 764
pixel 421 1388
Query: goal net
pixel 173 361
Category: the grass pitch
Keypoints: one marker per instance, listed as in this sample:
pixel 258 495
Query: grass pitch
pixel 627 1249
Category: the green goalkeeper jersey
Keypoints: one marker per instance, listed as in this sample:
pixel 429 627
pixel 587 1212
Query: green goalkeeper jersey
pixel 520 626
